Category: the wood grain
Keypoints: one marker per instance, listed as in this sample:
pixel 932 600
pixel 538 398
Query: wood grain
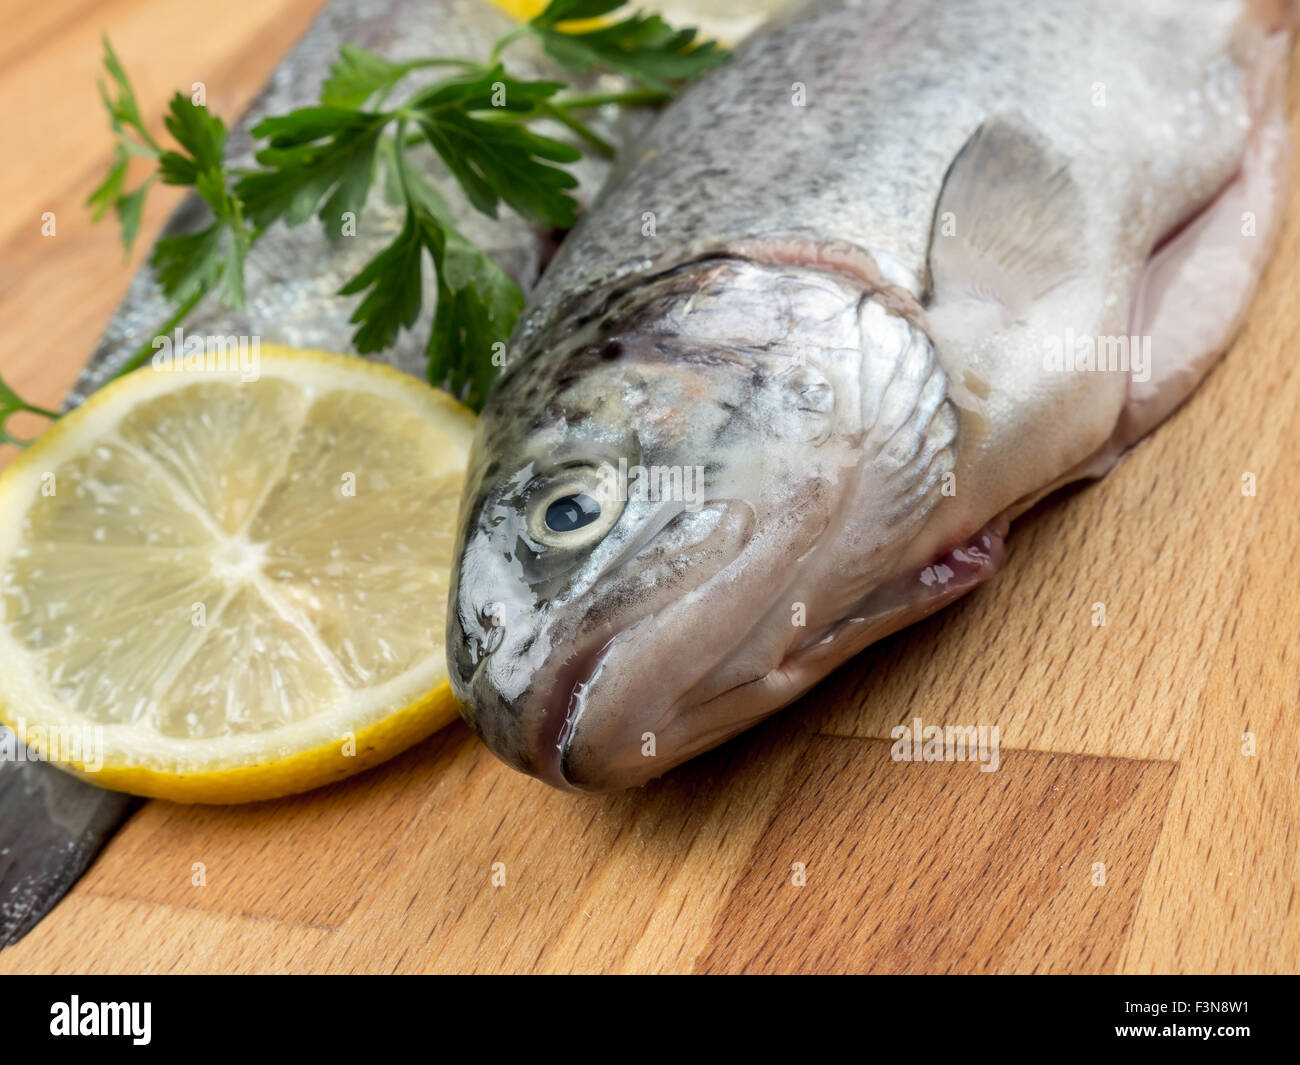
pixel 57 292
pixel 1121 743
pixel 920 867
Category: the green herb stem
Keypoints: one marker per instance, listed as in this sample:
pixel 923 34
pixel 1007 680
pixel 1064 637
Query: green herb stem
pixel 561 115
pixel 399 153
pixel 147 348
pixel 42 411
pixel 581 100
pixel 419 64
pixel 507 40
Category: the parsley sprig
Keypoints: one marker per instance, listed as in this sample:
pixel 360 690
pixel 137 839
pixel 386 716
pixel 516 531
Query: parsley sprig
pixel 642 47
pixel 322 161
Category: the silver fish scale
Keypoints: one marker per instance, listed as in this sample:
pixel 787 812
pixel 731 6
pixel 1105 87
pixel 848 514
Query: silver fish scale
pixel 734 158
pixel 292 275
pixel 867 474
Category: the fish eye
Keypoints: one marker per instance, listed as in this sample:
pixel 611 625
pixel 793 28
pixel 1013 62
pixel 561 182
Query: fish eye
pixel 572 512
pixel 573 507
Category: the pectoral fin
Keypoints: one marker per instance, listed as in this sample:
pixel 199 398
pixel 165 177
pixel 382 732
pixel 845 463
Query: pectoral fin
pixel 1011 275
pixel 1009 222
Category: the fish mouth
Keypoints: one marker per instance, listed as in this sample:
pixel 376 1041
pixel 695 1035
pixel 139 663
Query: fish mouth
pixel 716 708
pixel 535 727
pixel 562 710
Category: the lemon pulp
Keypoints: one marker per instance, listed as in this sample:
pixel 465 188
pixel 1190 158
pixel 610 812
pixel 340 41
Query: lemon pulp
pixel 221 589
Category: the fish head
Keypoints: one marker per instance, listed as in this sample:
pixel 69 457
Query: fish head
pixel 641 501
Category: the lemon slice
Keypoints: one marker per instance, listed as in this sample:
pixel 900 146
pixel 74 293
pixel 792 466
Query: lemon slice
pixel 220 588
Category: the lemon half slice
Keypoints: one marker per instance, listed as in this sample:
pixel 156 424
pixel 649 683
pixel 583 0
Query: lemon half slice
pixel 220 587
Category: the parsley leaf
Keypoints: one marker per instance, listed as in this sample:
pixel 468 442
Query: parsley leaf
pixel 642 47
pixel 393 277
pixel 123 110
pixel 468 121
pixel 133 139
pixel 130 209
pixel 477 307
pixel 201 135
pixel 214 257
pixel 111 189
pixel 315 154
pixel 358 75
pixel 477 302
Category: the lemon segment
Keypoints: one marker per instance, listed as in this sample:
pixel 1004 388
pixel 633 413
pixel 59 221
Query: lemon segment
pixel 221 588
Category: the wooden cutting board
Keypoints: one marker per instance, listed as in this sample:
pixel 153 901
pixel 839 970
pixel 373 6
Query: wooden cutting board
pixel 1126 828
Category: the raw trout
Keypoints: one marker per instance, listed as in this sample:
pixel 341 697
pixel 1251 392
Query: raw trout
pixel 861 297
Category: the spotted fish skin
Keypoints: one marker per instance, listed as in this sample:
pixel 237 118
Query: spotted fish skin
pixel 831 276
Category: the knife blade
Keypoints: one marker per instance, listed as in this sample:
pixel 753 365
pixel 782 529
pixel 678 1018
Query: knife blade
pixel 51 827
